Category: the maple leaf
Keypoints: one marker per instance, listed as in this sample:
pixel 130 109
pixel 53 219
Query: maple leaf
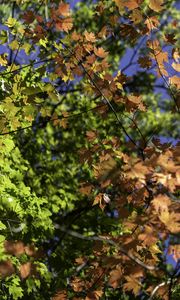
pixel 170 220
pixel 63 9
pixel 90 37
pixel 91 135
pixel 29 16
pixel 75 36
pixel 156 5
pixel 161 203
pixel 132 284
pixel 95 295
pixel 6 268
pixel 151 23
pixel 136 16
pixel 148 237
pixel 115 277
pixel 64 24
pixel 86 188
pixel 14 248
pixel 131 4
pixel 145 62
pixel 174 80
pixel 100 52
pixel 25 270
pixel 60 295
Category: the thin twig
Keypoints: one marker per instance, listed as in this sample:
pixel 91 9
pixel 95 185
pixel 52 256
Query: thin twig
pixel 108 241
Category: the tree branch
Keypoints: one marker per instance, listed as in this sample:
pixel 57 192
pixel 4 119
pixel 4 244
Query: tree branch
pixel 108 241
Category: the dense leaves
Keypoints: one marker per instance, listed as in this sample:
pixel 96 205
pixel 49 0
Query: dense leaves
pixel 89 156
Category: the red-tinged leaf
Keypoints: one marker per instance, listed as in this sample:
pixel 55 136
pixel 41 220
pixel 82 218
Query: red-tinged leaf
pixel 156 5
pixel 39 19
pixel 64 9
pixel 170 38
pixel 29 16
pixel 100 52
pixel 90 37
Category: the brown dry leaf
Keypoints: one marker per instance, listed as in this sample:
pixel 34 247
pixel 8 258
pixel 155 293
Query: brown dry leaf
pixel 163 292
pixel 132 284
pixel 16 248
pixel 63 123
pixel 77 284
pixel 148 236
pixel 95 295
pixel 86 188
pixel 25 270
pixel 60 295
pixel 115 277
pixel 161 203
pixel 91 135
pixel 171 220
pixel 6 269
pixel 156 5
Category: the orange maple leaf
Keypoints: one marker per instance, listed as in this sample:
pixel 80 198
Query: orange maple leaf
pixel 90 37
pixel 100 52
pixel 63 9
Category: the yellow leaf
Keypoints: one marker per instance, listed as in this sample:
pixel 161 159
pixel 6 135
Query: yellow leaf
pixel 156 5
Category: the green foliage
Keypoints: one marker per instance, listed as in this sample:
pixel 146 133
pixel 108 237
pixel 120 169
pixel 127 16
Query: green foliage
pixel 56 129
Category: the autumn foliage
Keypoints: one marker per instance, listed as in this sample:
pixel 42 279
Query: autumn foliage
pixel 89 188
